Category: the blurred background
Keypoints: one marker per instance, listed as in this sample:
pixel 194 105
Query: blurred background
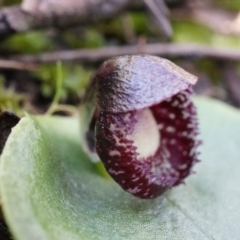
pixel 202 36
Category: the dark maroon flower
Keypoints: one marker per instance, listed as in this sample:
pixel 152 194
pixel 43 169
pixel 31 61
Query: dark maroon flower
pixel 138 116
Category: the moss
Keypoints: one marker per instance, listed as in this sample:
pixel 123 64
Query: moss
pixel 31 42
pixel 10 99
pixel 211 68
pixel 233 5
pixel 89 38
pixel 187 31
pixel 75 78
pixel 192 32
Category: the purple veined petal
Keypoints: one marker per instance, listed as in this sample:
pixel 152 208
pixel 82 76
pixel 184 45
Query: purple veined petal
pixel 128 83
pixel 138 118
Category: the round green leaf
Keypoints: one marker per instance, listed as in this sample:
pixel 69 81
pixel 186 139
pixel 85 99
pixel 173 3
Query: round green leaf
pixel 51 191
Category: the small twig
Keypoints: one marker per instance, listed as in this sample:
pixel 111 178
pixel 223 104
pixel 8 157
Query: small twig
pixel 11 64
pixel 164 50
pixel 160 12
pixel 37 14
pixel 162 5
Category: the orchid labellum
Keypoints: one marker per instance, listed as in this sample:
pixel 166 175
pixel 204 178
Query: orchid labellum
pixel 138 118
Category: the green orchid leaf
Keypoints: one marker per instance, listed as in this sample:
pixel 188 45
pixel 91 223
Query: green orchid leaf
pixel 51 191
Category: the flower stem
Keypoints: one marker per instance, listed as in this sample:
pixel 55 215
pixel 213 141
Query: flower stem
pixel 59 83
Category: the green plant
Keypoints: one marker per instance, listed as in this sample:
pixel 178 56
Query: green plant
pixel 74 80
pixel 10 99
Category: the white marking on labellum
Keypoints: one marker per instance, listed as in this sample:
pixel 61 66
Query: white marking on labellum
pixel 173 141
pixel 134 190
pixel 145 136
pixel 170 129
pixel 118 141
pixel 114 153
pixel 183 166
pixel 112 171
pixel 175 103
pixel 184 134
pixel 192 152
pixel 135 179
